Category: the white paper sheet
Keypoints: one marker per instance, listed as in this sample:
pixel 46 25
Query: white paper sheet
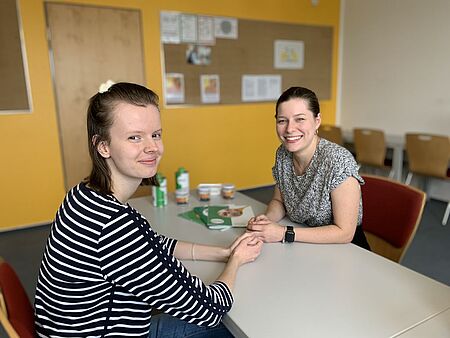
pixel 205 29
pixel 188 28
pixel 170 27
pixel 260 87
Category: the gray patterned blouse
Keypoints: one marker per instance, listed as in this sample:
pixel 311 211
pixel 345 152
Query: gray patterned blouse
pixel 307 198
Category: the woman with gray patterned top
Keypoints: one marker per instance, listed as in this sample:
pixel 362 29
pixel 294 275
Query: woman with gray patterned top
pixel 317 181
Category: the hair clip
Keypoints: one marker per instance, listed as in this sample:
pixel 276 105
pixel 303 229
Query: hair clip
pixel 104 87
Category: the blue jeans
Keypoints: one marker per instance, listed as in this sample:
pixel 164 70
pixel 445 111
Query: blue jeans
pixel 166 326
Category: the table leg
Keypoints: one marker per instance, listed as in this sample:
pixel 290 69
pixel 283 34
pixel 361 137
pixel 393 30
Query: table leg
pixel 397 162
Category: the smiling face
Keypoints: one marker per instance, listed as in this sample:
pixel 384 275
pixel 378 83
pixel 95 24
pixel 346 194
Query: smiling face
pixel 135 146
pixel 296 126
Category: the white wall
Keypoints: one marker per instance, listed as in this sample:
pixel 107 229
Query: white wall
pixel 396 65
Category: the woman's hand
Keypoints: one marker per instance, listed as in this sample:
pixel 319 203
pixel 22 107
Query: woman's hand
pixel 240 238
pixel 246 248
pixel 260 219
pixel 262 227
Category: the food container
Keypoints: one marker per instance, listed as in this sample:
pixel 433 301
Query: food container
pixel 182 179
pixel 228 191
pixel 182 197
pixel 160 193
pixel 214 188
pixel 203 193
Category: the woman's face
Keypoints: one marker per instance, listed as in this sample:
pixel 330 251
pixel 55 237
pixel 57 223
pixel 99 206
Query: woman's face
pixel 136 146
pixel 296 125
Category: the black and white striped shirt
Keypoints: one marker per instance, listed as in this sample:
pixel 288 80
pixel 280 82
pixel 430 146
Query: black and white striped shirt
pixel 104 269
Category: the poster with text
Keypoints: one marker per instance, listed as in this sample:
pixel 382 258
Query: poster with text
pixel 174 88
pixel 205 29
pixel 210 88
pixel 289 54
pixel 188 28
pixel 226 28
pixel 260 88
pixel 170 27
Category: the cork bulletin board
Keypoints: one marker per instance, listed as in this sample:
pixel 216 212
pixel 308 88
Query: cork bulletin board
pixel 13 73
pixel 252 53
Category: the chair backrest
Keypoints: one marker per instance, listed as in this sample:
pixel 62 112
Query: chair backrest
pixel 16 312
pixel 331 133
pixel 391 214
pixel 428 154
pixel 370 146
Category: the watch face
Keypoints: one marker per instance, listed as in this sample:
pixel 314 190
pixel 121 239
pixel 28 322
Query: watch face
pixel 289 235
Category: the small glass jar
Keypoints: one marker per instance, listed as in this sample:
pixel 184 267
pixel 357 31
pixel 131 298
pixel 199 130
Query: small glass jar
pixel 228 190
pixel 203 194
pixel 182 197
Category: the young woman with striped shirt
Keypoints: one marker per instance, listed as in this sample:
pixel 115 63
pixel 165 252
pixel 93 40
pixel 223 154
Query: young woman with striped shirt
pixel 104 269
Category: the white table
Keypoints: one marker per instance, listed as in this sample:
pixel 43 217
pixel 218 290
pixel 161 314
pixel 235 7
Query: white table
pixel 436 326
pixel 396 142
pixel 310 290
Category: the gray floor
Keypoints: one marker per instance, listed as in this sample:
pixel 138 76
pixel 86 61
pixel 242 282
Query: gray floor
pixel 429 253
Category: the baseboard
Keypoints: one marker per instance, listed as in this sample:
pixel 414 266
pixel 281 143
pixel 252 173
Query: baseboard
pixel 257 187
pixel 23 227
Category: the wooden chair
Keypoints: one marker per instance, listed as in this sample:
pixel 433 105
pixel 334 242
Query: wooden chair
pixel 429 156
pixel 331 133
pixel 391 214
pixel 16 312
pixel 370 148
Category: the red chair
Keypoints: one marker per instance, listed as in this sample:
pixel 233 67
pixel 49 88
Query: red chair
pixel 16 312
pixel 391 214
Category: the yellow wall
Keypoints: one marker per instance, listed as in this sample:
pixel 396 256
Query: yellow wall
pixel 215 143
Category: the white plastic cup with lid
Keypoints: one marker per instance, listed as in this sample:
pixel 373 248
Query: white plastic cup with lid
pixel 203 193
pixel 228 190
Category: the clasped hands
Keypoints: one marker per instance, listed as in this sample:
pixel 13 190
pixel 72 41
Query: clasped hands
pixel 247 247
pixel 266 230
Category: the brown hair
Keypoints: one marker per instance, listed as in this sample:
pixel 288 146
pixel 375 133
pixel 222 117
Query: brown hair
pixel 99 121
pixel 300 93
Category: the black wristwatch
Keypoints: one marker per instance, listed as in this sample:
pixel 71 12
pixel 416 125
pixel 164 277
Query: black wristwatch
pixel 289 235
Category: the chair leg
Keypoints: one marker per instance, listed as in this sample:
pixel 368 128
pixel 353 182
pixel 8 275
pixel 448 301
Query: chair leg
pixel 391 174
pixel 408 178
pixel 446 213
